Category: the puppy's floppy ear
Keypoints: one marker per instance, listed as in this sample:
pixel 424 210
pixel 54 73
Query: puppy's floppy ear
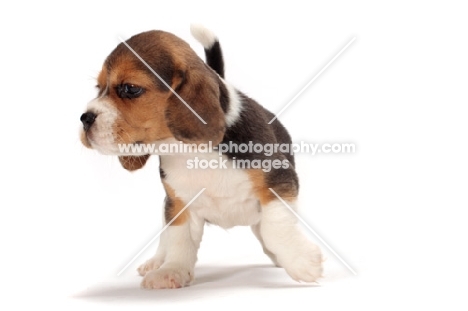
pixel 133 163
pixel 199 88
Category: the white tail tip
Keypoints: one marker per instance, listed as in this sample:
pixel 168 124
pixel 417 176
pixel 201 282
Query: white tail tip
pixel 203 35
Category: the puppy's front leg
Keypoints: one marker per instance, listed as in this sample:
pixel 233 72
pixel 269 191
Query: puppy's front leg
pixel 196 229
pixel 158 259
pixel 181 241
pixel 179 262
pixel 301 259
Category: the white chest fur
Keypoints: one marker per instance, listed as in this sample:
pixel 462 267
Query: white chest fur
pixel 228 199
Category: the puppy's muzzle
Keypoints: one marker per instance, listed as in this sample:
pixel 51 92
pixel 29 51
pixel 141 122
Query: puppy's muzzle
pixel 87 119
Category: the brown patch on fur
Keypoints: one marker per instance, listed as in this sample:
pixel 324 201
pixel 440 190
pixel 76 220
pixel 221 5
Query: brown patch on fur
pixel 261 182
pixel 264 195
pixel 140 119
pixel 173 206
pixel 201 93
pixel 133 163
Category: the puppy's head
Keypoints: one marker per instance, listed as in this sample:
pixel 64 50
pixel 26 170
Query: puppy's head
pixel 134 106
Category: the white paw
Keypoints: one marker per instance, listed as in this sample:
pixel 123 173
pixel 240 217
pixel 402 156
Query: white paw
pixel 305 264
pixel 167 278
pixel 151 264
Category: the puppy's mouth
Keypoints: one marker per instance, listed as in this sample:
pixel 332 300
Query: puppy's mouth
pixel 105 144
pixel 101 133
pixel 94 137
pixel 94 141
pixel 101 138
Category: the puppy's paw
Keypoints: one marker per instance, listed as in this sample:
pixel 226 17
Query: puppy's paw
pixel 167 278
pixel 305 264
pixel 151 264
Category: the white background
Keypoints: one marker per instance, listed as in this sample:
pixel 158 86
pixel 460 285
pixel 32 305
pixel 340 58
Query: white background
pixel 395 210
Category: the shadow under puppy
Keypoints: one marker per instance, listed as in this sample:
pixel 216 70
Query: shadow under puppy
pixel 135 106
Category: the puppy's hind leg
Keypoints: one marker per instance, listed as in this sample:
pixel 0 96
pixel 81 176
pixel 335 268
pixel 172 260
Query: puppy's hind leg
pixel 301 259
pixel 256 231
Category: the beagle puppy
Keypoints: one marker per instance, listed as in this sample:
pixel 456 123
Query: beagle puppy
pixel 142 87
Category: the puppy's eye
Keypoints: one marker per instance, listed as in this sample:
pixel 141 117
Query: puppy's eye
pixel 129 91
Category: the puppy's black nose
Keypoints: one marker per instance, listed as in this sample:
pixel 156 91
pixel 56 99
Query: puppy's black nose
pixel 88 120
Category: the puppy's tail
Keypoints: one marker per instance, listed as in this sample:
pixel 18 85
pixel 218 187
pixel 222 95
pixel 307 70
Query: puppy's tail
pixel 213 52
